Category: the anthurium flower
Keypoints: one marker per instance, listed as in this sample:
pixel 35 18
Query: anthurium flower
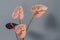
pixel 11 25
pixel 21 30
pixel 18 13
pixel 39 10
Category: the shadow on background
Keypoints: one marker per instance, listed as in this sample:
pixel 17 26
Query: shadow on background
pixel 35 35
pixel 50 22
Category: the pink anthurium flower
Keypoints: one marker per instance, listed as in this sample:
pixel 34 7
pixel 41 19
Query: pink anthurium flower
pixel 39 10
pixel 18 13
pixel 21 30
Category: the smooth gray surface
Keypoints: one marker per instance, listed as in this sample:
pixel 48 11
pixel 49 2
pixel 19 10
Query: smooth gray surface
pixel 44 28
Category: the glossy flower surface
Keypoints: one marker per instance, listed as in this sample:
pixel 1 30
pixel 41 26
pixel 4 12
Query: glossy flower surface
pixel 11 25
pixel 18 13
pixel 39 10
pixel 21 30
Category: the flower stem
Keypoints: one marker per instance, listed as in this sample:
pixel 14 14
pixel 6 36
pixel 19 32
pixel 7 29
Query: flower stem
pixel 23 39
pixel 20 39
pixel 15 32
pixel 16 36
pixel 20 22
pixel 29 23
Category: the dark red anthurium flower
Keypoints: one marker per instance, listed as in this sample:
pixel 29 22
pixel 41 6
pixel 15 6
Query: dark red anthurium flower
pixel 10 25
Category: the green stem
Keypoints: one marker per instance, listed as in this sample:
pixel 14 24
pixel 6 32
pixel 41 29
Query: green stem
pixel 23 39
pixel 16 36
pixel 20 39
pixel 20 21
pixel 29 23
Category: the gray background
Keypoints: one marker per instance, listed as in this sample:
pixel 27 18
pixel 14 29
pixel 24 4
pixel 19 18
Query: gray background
pixel 44 28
